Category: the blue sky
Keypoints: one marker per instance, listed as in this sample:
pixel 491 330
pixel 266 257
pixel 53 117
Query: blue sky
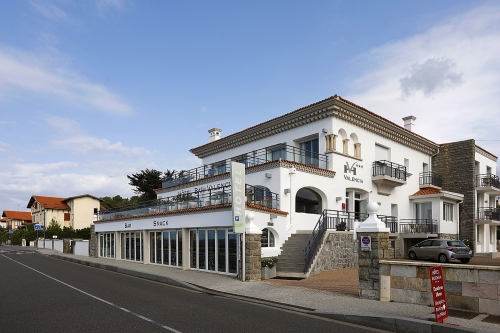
pixel 91 91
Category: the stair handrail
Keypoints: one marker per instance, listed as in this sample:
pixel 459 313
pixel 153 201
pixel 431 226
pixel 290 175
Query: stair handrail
pixel 314 240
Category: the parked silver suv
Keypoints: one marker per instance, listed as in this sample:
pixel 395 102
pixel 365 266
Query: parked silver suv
pixel 441 249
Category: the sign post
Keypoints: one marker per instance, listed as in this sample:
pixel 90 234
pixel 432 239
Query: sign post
pixel 238 206
pixel 438 294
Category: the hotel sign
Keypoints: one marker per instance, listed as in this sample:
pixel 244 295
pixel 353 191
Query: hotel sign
pixel 350 172
pixel 238 194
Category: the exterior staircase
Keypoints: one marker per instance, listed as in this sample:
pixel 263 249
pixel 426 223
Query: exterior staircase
pixel 291 260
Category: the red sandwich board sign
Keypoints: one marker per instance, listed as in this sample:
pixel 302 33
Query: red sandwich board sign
pixel 438 294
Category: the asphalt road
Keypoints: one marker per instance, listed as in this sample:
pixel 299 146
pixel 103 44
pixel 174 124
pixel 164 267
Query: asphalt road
pixel 42 294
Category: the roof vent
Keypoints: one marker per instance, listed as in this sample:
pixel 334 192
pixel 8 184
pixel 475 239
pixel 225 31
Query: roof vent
pixel 214 134
pixel 410 123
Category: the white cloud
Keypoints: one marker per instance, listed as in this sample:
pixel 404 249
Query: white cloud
pixel 50 11
pixel 432 76
pixel 64 125
pixel 4 146
pixel 457 102
pixel 20 70
pixel 86 144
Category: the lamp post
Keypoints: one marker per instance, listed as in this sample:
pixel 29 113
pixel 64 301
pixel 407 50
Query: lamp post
pixel 44 218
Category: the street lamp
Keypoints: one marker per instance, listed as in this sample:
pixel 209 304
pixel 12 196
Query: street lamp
pixel 44 218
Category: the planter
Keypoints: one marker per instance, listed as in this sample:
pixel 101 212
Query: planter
pixel 267 273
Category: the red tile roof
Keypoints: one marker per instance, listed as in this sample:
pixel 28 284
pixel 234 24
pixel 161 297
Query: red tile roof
pixel 16 215
pixel 428 190
pixel 48 202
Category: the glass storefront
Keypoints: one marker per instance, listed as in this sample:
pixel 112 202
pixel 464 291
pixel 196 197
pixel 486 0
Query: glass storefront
pixel 166 247
pixel 213 250
pixel 132 246
pixel 107 245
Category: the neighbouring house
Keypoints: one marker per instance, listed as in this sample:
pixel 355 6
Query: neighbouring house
pixel 15 219
pixel 76 212
pixel 309 175
pixel 3 222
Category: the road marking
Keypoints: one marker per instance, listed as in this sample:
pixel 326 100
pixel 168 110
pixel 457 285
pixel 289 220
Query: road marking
pixel 100 299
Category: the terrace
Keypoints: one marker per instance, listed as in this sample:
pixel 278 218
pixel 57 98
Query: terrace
pixel 206 198
pixel 256 157
pixel 388 175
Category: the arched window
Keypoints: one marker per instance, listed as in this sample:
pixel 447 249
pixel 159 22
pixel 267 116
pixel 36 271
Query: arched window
pixel 267 238
pixel 308 201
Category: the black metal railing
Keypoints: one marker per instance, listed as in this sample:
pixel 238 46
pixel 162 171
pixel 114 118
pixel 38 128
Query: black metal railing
pixel 333 220
pixel 260 156
pixel 429 178
pixel 415 226
pixel 386 168
pixel 390 222
pixel 488 213
pixel 204 198
pixel 487 180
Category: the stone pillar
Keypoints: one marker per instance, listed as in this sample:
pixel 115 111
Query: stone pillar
pixel 369 275
pixel 252 257
pixel 252 249
pixel 94 242
pixel 66 245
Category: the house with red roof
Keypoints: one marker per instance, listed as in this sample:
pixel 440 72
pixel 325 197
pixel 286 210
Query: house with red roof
pixel 16 219
pixel 76 212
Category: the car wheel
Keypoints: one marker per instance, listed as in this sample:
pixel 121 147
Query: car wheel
pixel 464 261
pixel 442 258
pixel 412 255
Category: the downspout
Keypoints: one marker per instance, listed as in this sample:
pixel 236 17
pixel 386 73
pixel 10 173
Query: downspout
pixel 430 159
pixel 458 224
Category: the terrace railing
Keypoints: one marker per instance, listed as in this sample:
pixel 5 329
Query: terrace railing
pixel 411 226
pixel 205 198
pixel 487 180
pixel 333 220
pixel 386 168
pixel 390 222
pixel 488 213
pixel 429 178
pixel 252 158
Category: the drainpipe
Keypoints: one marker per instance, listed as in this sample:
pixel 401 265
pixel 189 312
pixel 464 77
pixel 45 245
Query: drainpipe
pixel 430 159
pixel 458 224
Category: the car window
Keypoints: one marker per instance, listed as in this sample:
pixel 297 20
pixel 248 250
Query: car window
pixel 456 243
pixel 426 243
pixel 436 243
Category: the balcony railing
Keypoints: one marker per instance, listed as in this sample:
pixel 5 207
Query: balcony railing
pixel 411 226
pixel 386 168
pixel 429 178
pixel 487 180
pixel 252 158
pixel 205 198
pixel 390 222
pixel 488 213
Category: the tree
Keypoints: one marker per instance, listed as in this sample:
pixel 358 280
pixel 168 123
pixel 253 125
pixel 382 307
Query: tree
pixel 118 201
pixel 146 181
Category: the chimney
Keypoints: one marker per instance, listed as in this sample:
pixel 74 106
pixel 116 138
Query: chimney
pixel 410 123
pixel 214 134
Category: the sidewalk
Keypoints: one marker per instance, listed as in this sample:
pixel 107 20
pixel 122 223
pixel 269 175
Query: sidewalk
pixel 327 293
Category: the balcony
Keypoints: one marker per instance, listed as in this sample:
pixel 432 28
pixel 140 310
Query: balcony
pixel 488 183
pixel 388 175
pixel 206 198
pixel 488 214
pixel 429 179
pixel 252 158
pixel 418 226
pixel 390 222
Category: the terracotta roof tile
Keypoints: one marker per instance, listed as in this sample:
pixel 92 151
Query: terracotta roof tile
pixel 16 215
pixel 428 190
pixel 49 202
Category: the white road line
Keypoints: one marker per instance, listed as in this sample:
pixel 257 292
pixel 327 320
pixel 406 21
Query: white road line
pixel 99 299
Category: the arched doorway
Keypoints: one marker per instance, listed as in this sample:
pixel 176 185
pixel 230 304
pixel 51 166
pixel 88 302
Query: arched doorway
pixel 308 201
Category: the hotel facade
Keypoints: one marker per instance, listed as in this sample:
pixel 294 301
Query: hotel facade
pixel 309 175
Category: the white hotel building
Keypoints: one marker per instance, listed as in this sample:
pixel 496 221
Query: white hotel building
pixel 310 173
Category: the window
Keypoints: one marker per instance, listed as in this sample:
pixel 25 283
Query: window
pixel 267 238
pixel 447 212
pixel 423 211
pixel 67 217
pixel 308 201
pixel 309 152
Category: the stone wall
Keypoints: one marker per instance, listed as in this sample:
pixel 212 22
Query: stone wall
pixel 467 287
pixel 455 164
pixel 368 272
pixel 67 245
pixel 252 257
pixel 448 236
pixel 94 243
pixel 340 250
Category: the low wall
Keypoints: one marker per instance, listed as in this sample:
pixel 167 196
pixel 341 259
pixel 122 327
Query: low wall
pixel 58 245
pixel 48 244
pixel 339 250
pixel 81 248
pixel 468 287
